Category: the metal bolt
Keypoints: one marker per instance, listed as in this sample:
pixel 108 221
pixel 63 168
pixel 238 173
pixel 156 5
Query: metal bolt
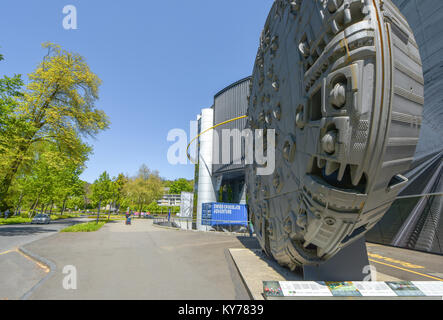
pixel 277 112
pixel 299 121
pixel 287 150
pixel 268 118
pixel 330 221
pixel 261 117
pixel 338 95
pixel 295 6
pixel 304 49
pixel 276 85
pixel 328 142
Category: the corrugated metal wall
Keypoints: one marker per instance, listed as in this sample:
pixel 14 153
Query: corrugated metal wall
pixel 230 103
pixel 425 19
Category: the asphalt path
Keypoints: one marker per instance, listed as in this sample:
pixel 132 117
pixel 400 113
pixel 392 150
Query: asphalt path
pixel 18 272
pixel 404 264
pixel 142 261
pixel 17 235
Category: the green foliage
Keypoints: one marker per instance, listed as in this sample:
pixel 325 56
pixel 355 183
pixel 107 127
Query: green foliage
pixel 58 217
pixel 143 189
pixel 25 219
pixel 42 149
pixel 76 203
pixel 45 122
pixel 15 220
pixel 10 92
pixel 167 183
pixel 120 183
pixel 85 227
pixel 154 207
pixel 103 190
pixel 175 209
pixel 181 185
pixel 48 178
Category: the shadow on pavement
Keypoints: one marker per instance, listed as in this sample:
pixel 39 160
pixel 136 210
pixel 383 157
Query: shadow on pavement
pixel 249 242
pixel 28 229
pixel 252 243
pixel 13 231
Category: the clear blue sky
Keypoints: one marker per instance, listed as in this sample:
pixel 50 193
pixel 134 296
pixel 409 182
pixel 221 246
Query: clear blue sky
pixel 160 62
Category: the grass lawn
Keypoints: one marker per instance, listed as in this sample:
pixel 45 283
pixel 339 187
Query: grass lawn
pixel 105 217
pixel 20 220
pixel 58 217
pixel 14 220
pixel 85 227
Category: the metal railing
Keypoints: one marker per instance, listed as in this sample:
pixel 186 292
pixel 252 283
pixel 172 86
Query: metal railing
pixel 412 222
pixel 239 227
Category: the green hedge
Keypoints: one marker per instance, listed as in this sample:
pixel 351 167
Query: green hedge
pixel 85 227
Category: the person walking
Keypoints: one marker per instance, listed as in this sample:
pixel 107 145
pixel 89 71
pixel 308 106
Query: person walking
pixel 251 229
pixel 128 217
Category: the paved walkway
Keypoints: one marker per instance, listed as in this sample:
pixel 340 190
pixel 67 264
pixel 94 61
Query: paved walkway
pixel 19 273
pixel 16 235
pixel 406 264
pixel 142 261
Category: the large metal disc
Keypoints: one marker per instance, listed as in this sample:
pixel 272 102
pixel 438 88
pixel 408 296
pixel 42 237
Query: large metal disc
pixel 341 83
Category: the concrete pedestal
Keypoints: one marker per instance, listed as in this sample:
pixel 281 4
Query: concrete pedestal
pixel 350 264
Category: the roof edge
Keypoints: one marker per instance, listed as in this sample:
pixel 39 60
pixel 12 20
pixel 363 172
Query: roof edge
pixel 231 86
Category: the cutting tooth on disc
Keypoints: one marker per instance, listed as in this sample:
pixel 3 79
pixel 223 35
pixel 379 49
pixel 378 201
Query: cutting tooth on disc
pixel 320 252
pixel 341 172
pixel 320 51
pixel 356 175
pixel 321 163
pixel 331 167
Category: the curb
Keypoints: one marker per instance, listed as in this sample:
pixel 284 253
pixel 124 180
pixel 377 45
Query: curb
pixel 49 264
pixel 248 290
pixel 209 232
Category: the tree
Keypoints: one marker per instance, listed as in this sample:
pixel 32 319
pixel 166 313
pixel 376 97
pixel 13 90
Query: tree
pixel 103 190
pixel 144 188
pixel 153 207
pixel 119 183
pixel 49 178
pixel 181 185
pixel 10 93
pixel 58 107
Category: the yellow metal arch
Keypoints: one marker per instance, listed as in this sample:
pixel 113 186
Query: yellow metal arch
pixel 207 130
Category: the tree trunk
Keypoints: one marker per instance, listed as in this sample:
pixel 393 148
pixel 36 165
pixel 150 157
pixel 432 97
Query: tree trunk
pixel 19 204
pixel 98 211
pixel 109 213
pixel 31 207
pixel 52 205
pixel 6 180
pixel 32 211
pixel 64 206
pixel 23 148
